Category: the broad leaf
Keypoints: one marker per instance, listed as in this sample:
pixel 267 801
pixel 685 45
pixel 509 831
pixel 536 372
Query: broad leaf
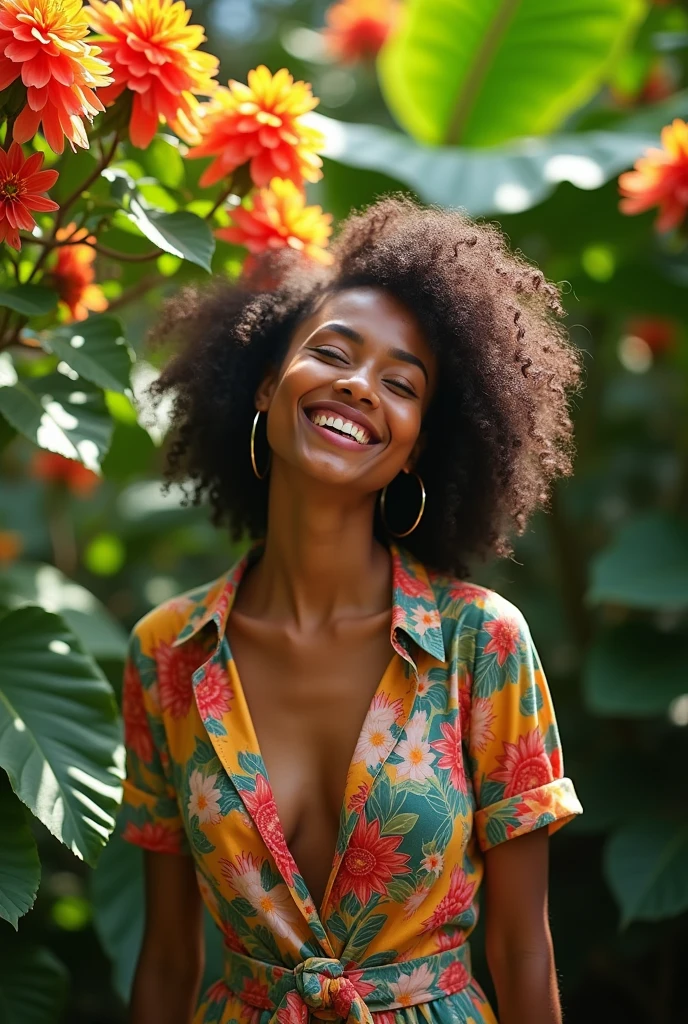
pixel 646 867
pixel 645 566
pixel 183 234
pixel 93 625
pixel 20 867
pixel 507 179
pixel 64 416
pixel 60 738
pixel 635 671
pixel 117 890
pixel 29 299
pixel 33 986
pixel 477 74
pixel 96 349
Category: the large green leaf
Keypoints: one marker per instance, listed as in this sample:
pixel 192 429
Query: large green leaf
pixel 118 900
pixel 477 74
pixel 634 670
pixel 94 626
pixel 33 986
pixel 646 867
pixel 645 566
pixel 65 416
pixel 60 738
pixel 505 179
pixel 29 299
pixel 20 867
pixel 96 350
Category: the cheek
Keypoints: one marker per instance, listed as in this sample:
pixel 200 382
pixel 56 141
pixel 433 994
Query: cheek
pixel 405 421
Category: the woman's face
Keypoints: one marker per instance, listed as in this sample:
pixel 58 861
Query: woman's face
pixel 348 402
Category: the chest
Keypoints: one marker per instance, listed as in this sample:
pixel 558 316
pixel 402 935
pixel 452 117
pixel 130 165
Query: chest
pixel 307 701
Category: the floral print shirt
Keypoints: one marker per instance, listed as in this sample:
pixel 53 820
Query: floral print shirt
pixel 459 751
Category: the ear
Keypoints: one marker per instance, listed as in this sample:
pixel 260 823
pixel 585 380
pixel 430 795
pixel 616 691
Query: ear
pixel 416 452
pixel 265 390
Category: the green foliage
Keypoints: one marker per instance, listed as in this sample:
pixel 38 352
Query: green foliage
pixel 480 73
pixel 20 868
pixel 33 986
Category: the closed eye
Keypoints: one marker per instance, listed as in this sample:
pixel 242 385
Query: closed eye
pixel 331 353
pixel 403 386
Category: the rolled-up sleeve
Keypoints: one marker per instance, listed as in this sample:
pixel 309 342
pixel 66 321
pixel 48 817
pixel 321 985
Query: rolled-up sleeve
pixel 515 751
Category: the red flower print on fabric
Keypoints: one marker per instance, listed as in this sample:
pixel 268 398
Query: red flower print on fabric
pixel 364 988
pixel 175 666
pixel 256 994
pixel 524 765
pixel 449 938
pixel 455 903
pixel 294 1011
pixel 218 993
pixel 467 592
pixel 358 799
pixel 407 583
pixel 137 734
pixel 213 692
pixel 505 635
pixel 370 862
pixel 450 748
pixel 231 938
pixel 263 810
pixel 152 836
pixel 453 978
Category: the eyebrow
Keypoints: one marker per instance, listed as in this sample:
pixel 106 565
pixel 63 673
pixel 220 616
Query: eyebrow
pixel 396 353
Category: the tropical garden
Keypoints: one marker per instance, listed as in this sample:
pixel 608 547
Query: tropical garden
pixel 145 144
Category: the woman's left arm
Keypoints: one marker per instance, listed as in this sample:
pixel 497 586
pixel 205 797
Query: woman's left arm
pixel 518 941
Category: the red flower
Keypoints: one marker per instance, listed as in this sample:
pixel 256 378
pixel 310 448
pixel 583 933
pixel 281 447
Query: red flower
pixel 278 218
pixel 154 53
pixel 255 993
pixel 450 748
pixel 218 992
pixel 370 862
pixel 261 122
pixel 364 988
pixel 456 902
pixel 407 583
pixel 467 592
pixel 22 184
pixel 231 938
pixel 524 765
pixel 358 799
pixel 262 808
pixel 57 469
pixel 175 667
pixel 659 334
pixel 152 836
pixel 214 693
pixel 73 275
pixel 357 29
pixel 660 178
pixel 505 635
pixel 294 1012
pixel 454 978
pixel 44 42
pixel 137 734
pixel 449 938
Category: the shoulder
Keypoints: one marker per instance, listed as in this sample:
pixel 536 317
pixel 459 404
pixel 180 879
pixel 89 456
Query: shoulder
pixel 471 606
pixel 183 614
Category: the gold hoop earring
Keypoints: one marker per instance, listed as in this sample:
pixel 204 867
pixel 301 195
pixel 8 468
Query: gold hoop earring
pixel 261 476
pixel 383 498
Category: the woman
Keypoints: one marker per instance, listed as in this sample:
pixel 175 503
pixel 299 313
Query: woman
pixel 339 737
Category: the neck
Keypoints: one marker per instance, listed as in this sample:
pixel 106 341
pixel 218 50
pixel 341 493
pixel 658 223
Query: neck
pixel 321 560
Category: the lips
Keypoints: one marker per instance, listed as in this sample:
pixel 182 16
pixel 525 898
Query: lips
pixel 340 419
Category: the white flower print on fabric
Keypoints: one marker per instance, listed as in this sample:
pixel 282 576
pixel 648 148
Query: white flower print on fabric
pixel 415 753
pixel 204 799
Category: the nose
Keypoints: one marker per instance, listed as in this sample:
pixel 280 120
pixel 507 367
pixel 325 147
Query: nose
pixel 359 388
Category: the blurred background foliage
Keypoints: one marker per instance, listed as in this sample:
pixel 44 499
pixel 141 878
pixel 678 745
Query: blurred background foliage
pixel 528 124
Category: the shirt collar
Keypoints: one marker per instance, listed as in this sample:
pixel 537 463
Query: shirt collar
pixel 414 605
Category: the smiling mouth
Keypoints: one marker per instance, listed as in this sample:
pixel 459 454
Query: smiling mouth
pixel 339 425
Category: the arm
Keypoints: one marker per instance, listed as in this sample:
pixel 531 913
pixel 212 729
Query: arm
pixel 170 965
pixel 518 941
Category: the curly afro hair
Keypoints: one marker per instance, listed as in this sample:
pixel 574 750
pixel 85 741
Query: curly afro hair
pixel 498 429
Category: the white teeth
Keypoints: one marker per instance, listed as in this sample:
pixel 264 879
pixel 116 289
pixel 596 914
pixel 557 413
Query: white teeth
pixel 347 427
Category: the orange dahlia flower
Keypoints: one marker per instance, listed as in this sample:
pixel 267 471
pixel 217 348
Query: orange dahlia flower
pixel 261 122
pixel 660 178
pixel 73 275
pixel 357 29
pixel 22 184
pixel 43 42
pixel 57 469
pixel 154 53
pixel 11 546
pixel 277 218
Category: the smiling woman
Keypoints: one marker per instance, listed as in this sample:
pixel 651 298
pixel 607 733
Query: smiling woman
pixel 339 736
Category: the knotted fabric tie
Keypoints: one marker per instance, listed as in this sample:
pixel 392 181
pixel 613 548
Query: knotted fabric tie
pixel 326 989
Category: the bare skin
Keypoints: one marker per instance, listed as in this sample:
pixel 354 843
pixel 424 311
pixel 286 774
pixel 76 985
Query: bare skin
pixel 310 627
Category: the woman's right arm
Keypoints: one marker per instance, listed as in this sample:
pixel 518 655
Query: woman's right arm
pixel 170 965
